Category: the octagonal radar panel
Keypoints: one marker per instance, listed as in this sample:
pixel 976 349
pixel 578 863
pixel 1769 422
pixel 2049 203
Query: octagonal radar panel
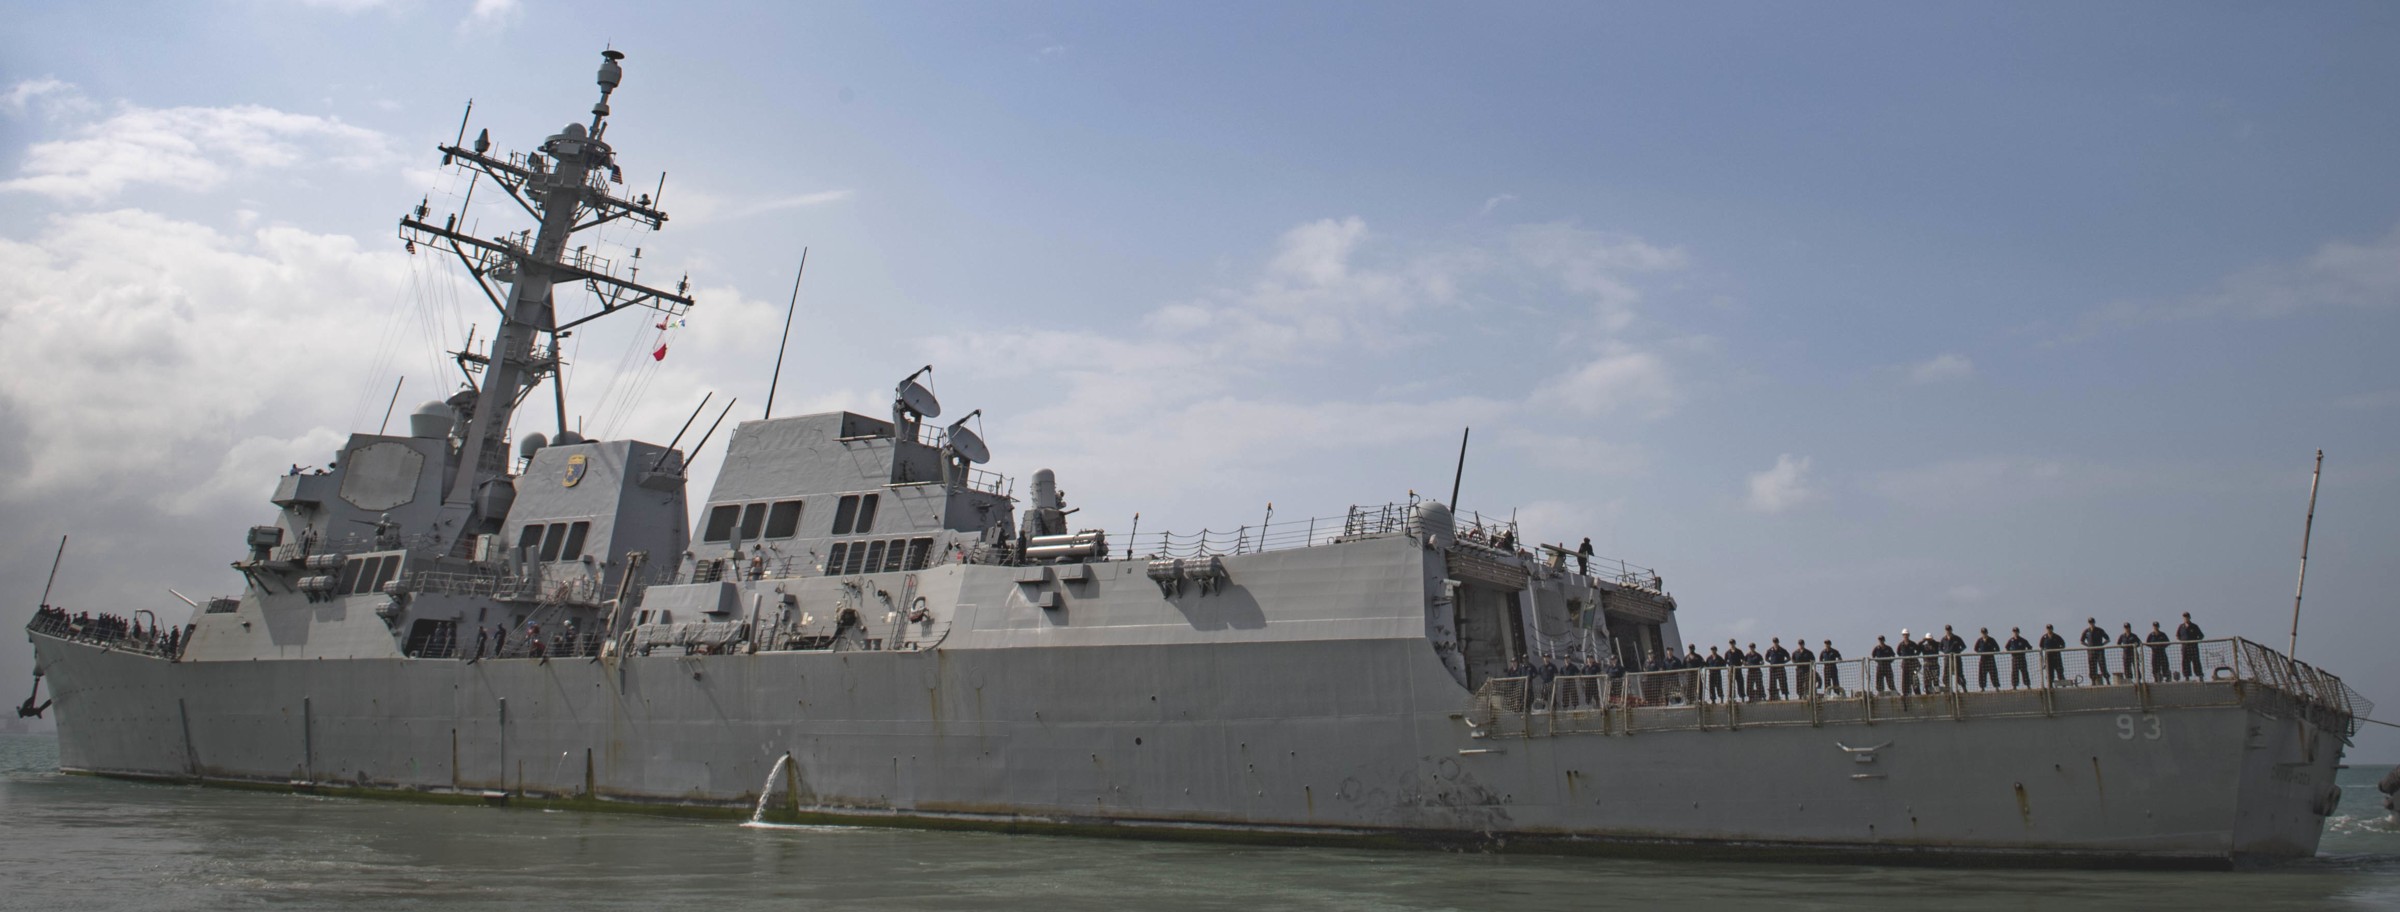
pixel 916 398
pixel 968 446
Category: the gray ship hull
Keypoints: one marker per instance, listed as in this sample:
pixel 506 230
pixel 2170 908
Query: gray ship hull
pixel 1328 739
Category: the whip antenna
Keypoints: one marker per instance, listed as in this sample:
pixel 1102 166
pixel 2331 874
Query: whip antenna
pixel 788 310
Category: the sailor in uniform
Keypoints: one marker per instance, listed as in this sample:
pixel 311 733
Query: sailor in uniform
pixel 1987 661
pixel 1804 670
pixel 2095 653
pixel 1779 687
pixel 1692 663
pixel 2018 674
pixel 1833 668
pixel 2189 634
pixel 2054 663
pixel 1758 675
pixel 1882 654
pixel 1734 660
pixel 1716 675
pixel 1954 661
pixel 2133 646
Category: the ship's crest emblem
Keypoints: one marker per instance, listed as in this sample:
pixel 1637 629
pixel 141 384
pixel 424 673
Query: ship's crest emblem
pixel 576 466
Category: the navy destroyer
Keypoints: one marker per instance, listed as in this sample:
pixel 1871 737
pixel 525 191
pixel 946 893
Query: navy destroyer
pixel 865 624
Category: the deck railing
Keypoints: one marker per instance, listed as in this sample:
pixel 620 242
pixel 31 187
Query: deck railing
pixel 1948 686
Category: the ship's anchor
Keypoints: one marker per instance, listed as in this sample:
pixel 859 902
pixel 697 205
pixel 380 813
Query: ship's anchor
pixel 28 710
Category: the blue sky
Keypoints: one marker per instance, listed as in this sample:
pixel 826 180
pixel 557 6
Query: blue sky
pixel 1845 317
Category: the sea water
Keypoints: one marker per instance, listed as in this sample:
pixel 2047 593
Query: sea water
pixel 76 842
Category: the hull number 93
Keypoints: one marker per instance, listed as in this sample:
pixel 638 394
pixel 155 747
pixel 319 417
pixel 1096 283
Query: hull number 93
pixel 2128 726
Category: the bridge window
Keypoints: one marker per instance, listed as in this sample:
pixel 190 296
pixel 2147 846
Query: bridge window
pixel 553 541
pixel 754 518
pixel 866 514
pixel 575 535
pixel 891 558
pixel 874 557
pixel 784 520
pixel 918 550
pixel 845 514
pixel 530 538
pixel 858 559
pixel 833 560
pixel 720 523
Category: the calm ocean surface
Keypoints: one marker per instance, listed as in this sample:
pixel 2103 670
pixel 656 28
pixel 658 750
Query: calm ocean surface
pixel 71 842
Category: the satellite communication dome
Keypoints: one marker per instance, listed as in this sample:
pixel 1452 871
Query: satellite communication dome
pixel 430 421
pixel 920 400
pixel 531 443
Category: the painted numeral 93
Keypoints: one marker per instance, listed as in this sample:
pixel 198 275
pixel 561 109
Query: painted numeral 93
pixel 2127 726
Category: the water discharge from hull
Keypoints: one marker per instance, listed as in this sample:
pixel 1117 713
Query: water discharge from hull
pixel 766 790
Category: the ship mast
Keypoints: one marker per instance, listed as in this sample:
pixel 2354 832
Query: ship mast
pixel 565 187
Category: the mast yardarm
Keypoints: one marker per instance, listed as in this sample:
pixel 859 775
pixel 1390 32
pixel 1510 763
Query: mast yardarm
pixel 565 187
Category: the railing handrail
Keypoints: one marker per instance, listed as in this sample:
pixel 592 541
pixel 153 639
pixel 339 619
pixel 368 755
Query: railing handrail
pixel 2221 660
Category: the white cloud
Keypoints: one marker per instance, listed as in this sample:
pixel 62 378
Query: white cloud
pixel 191 148
pixel 1496 202
pixel 22 97
pixel 492 14
pixel 1622 378
pixel 1783 486
pixel 698 207
pixel 1945 366
pixel 2338 274
pixel 139 345
pixel 1597 265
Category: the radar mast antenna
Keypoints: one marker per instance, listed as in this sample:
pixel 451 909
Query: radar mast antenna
pixel 565 186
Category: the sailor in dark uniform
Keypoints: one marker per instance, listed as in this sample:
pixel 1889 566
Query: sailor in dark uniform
pixel 1987 661
pixel 2158 653
pixel 1716 675
pixel 1832 659
pixel 1734 660
pixel 1882 653
pixel 1570 694
pixel 1908 664
pixel 1804 670
pixel 1954 660
pixel 2095 660
pixel 1692 663
pixel 2018 674
pixel 1756 663
pixel 1779 685
pixel 1546 676
pixel 2054 661
pixel 2189 635
pixel 2133 648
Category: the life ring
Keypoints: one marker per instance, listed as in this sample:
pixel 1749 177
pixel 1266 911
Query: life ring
pixel 917 613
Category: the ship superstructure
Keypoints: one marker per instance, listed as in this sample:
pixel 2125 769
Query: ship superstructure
pixel 867 625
